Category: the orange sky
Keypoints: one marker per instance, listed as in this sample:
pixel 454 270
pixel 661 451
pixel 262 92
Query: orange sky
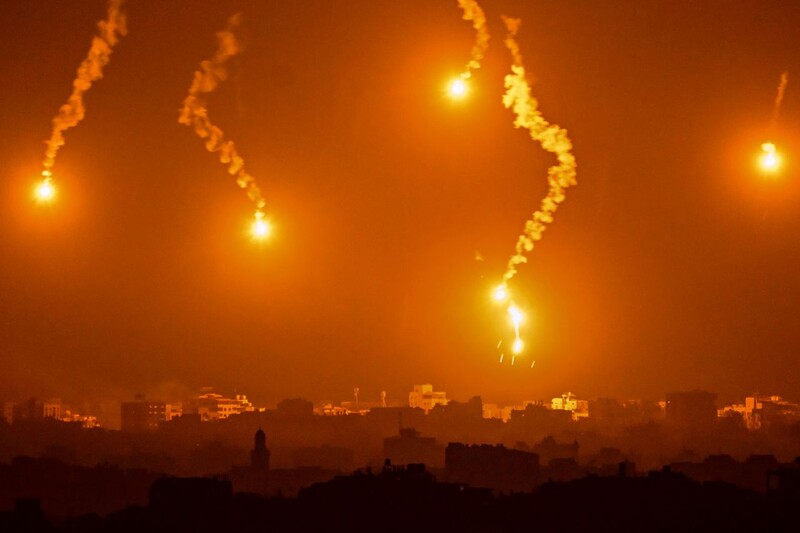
pixel 672 265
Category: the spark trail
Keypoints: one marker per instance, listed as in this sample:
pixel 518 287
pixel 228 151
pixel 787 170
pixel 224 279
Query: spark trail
pixel 89 71
pixel 560 176
pixel 474 13
pixel 195 115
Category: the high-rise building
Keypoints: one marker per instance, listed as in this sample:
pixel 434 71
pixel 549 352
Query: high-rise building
pixel 142 415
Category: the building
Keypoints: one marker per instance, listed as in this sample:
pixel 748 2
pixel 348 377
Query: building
pixel 691 410
pixel 259 455
pixel 409 447
pixel 425 398
pixel 568 402
pixel 494 467
pixel 212 406
pixel 142 415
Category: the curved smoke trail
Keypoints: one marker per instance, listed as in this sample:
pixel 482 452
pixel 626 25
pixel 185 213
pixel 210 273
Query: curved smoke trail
pixel 473 12
pixel 89 71
pixel 194 113
pixel 552 138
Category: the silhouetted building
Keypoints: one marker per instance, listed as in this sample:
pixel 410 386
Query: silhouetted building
pixel 408 447
pixel 295 408
pixel 259 456
pixel 495 467
pixel 327 457
pixel 142 415
pixel 691 410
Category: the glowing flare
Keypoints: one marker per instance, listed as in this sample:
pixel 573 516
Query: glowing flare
pixel 458 88
pixel 560 176
pixel 515 314
pixel 517 346
pixel 770 160
pixel 45 191
pixel 261 228
pixel 500 293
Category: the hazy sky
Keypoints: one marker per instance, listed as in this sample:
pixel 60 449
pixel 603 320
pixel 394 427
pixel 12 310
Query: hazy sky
pixel 672 265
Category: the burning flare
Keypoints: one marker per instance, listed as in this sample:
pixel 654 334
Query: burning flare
pixel 473 12
pixel 89 71
pixel 45 191
pixel 770 160
pixel 194 114
pixel 559 177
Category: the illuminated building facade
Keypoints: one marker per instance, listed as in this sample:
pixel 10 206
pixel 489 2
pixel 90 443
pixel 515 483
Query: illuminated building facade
pixel 425 398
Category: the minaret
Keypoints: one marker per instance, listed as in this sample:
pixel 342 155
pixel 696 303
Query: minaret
pixel 259 457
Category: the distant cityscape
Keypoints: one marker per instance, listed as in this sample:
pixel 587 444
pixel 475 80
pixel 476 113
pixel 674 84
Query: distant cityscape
pixel 212 448
pixel 143 414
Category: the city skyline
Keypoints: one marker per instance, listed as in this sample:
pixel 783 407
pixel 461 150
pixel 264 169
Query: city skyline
pixel 394 208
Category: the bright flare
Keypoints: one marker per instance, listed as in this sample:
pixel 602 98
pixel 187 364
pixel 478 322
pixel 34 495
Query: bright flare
pixel 45 191
pixel 261 229
pixel 458 88
pixel 500 293
pixel 515 314
pixel 517 346
pixel 770 160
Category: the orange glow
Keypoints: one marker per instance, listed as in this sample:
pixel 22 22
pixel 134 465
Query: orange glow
pixel 261 229
pixel 45 191
pixel 458 88
pixel 770 161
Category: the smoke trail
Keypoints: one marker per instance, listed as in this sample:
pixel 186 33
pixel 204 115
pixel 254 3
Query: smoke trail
pixel 89 71
pixel 194 112
pixel 779 99
pixel 552 138
pixel 473 12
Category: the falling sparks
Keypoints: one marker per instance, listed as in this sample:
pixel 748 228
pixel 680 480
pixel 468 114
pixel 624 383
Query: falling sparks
pixel 195 115
pixel 89 71
pixel 459 87
pixel 560 176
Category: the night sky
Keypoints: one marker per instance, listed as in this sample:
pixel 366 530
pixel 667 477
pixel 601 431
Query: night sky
pixel 672 264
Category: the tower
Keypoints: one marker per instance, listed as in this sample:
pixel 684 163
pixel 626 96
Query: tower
pixel 259 457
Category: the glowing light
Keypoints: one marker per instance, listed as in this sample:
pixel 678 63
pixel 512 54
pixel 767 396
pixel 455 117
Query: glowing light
pixel 515 314
pixel 45 191
pixel 770 160
pixel 458 88
pixel 517 346
pixel 260 229
pixel 500 293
